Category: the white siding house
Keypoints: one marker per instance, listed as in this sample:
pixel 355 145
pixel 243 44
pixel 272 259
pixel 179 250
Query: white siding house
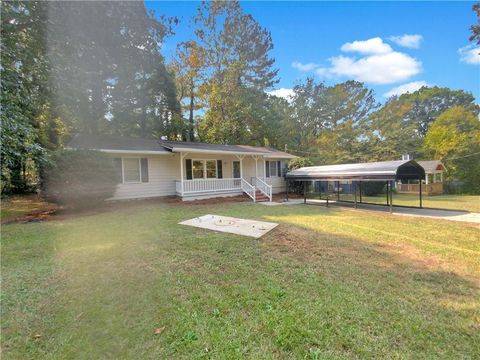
pixel 152 168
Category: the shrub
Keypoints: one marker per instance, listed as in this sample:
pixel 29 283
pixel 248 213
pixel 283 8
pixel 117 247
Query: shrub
pixel 79 178
pixel 372 188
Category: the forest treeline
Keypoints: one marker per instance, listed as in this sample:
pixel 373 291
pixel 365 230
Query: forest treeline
pixel 97 68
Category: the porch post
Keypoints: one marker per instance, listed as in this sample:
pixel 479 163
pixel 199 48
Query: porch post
pixel 181 173
pixel 241 167
pixel 264 170
pixel 426 179
pixel 256 165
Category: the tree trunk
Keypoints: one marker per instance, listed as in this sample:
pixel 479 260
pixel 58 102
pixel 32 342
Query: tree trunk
pixel 191 131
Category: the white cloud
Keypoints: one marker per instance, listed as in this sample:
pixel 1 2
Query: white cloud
pixel 283 93
pixel 386 68
pixel 470 54
pixel 377 63
pixel 406 88
pixel 304 67
pixel 370 46
pixel 408 41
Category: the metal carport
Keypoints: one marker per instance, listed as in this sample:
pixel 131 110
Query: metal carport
pixel 383 171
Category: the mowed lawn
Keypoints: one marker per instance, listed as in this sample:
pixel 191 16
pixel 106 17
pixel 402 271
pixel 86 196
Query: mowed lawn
pixel 129 283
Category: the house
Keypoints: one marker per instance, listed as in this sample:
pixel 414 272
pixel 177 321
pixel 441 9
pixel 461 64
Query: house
pixel 190 170
pixel 433 181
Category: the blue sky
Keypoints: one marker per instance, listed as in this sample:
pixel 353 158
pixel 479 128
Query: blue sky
pixel 336 41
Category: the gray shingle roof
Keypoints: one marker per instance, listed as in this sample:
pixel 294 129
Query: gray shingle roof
pixel 117 143
pixel 432 165
pixel 244 149
pixel 382 170
pixel 109 142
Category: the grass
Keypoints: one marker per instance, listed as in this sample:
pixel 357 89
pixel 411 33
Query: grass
pixel 469 203
pixel 18 206
pixel 331 283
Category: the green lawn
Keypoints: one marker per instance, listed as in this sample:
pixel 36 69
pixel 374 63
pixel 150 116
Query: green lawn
pixel 333 283
pixel 18 206
pixel 469 203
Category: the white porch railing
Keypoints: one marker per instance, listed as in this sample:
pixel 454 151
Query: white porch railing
pixel 207 185
pixel 248 188
pixel 264 187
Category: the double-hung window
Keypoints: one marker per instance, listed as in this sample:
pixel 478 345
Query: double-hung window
pixel 273 168
pixel 203 169
pixel 132 170
pixel 197 169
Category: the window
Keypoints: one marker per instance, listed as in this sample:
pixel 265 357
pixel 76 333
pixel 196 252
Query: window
pixel 236 169
pixel 197 169
pixel 211 169
pixel 131 170
pixel 203 169
pixel 273 168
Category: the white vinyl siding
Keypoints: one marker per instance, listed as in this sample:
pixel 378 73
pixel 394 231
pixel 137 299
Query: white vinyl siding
pixel 163 170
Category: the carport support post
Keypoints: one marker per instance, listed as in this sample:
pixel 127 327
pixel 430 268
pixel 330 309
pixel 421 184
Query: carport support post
pixel 420 191
pixel 338 190
pixel 360 191
pixel 286 193
pixel 388 194
pixel 391 197
pixel 355 190
pixel 304 192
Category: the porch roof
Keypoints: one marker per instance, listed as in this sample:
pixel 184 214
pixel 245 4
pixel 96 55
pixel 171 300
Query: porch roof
pixel 382 170
pixel 118 144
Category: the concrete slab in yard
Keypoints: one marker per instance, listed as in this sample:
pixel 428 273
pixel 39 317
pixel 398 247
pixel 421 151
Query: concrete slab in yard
pixel 231 225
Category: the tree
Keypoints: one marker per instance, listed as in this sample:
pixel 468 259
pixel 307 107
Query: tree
pixel 237 57
pixel 399 127
pixel 329 123
pixel 79 178
pixel 427 103
pixel 24 92
pixel 107 69
pixel 454 138
pixel 347 108
pixel 189 66
pixel 475 29
pixel 391 134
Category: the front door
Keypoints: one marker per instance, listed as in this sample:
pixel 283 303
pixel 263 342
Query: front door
pixel 236 169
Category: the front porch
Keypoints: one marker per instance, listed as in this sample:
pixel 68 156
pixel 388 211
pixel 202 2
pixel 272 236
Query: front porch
pixel 216 175
pixel 206 188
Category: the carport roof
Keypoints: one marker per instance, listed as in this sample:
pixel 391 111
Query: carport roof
pixel 382 170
